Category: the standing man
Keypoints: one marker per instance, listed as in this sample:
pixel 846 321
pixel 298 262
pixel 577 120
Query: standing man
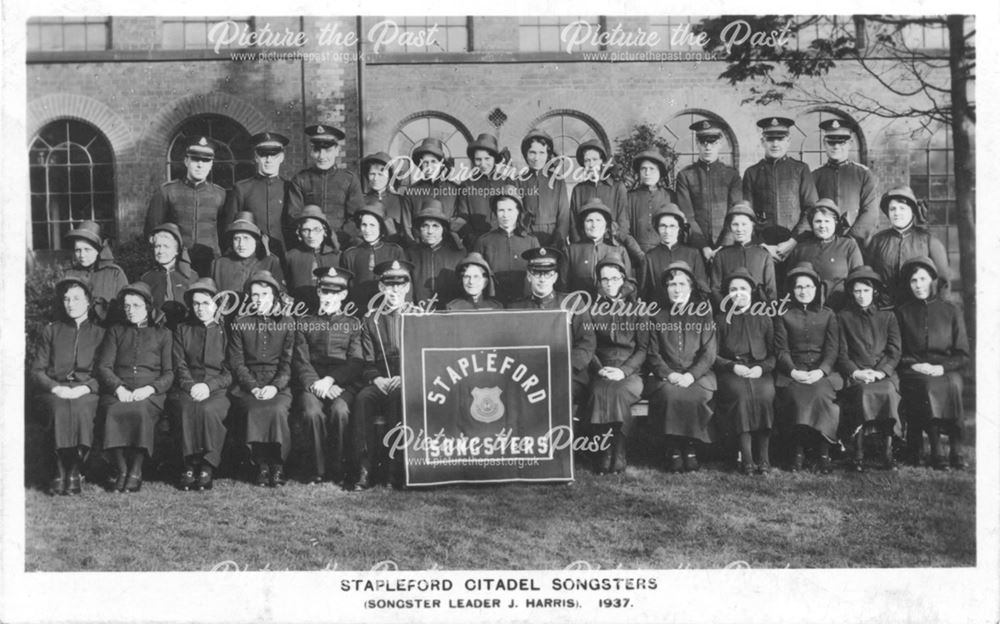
pixel 849 184
pixel 193 203
pixel 780 189
pixel 546 201
pixel 707 188
pixel 267 195
pixel 337 191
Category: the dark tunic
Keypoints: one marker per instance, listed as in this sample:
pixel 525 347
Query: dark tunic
pixel 66 356
pixel 466 304
pixel 269 199
pixel 751 257
pixel 890 248
pixel 474 206
pixel 301 262
pixel 683 343
pixel 106 281
pixel 833 260
pixel 361 260
pixel 546 201
pixel 780 191
pixel 200 357
pixel 745 404
pixel 502 251
pixel 933 331
pixel 444 191
pixel 434 272
pixel 581 332
pixel 807 339
pixel 170 285
pixel 134 357
pixel 381 335
pixel 869 340
pixel 193 207
pixel 231 272
pixel 614 196
pixel 705 191
pixel 852 186
pixel 260 354
pixel 641 204
pixel 656 262
pixel 579 271
pixel 621 342
pixel 398 219
pixel 337 191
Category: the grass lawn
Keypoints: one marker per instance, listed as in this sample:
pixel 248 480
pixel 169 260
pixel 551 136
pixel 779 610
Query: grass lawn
pixel 644 519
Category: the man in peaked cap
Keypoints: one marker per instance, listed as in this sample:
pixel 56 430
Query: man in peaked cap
pixel 546 201
pixel 780 189
pixel 193 203
pixel 336 191
pixel 850 184
pixel 707 188
pixel 328 363
pixel 378 407
pixel 267 195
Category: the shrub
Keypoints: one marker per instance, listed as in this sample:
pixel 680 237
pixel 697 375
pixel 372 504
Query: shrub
pixel 39 297
pixel 135 257
pixel 643 137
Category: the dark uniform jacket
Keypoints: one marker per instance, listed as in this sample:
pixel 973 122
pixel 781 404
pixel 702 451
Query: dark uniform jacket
pixel 502 250
pixel 200 356
pixel 546 201
pixel 621 339
pixel 852 187
pixel 231 272
pixel 890 248
pixel 444 191
pixel 106 281
pixel 933 331
pixel 361 260
pixel 579 272
pixel 260 351
pixel 832 260
pixel 780 191
pixel 614 196
pixel 434 272
pixel 193 207
pixel 67 355
pixel 474 206
pixel 328 346
pixel 381 335
pixel 269 199
pixel 169 285
pixel 466 304
pixel 806 339
pixel 750 256
pixel 659 258
pixel 134 357
pixel 748 340
pixel 683 343
pixel 398 220
pixel 705 191
pixel 337 191
pixel 642 203
pixel 302 261
pixel 869 339
pixel 582 330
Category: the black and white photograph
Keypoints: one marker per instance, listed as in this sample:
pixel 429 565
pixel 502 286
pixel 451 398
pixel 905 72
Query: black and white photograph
pixel 517 316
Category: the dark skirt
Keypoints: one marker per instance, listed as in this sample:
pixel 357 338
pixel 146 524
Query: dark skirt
pixel 870 406
pixel 930 400
pixel 810 405
pixel 267 421
pixel 71 420
pixel 683 412
pixel 611 401
pixel 131 424
pixel 745 404
pixel 201 430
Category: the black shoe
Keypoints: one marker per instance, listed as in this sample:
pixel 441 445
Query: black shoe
pixel 119 485
pixel 957 463
pixel 825 465
pixel 75 480
pixel 187 480
pixel 205 478
pixel 675 463
pixel 797 461
pixel 857 465
pixel 938 462
pixel 619 462
pixel 133 483
pixel 747 468
pixel 58 486
pixel 763 468
pixel 603 463
pixel 364 480
pixel 277 475
pixel 691 462
pixel 263 475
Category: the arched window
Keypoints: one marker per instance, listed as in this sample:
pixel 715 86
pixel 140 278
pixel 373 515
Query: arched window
pixel 569 129
pixel 72 179
pixel 686 146
pixel 807 138
pixel 233 159
pixel 420 126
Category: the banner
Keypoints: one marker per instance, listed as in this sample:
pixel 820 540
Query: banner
pixel 486 397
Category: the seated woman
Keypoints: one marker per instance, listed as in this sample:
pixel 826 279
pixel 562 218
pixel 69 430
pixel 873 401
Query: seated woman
pixel 580 268
pixel 935 352
pixel 135 368
pixel 94 262
pixel 807 341
pixel 63 370
pixel 373 250
pixel 743 252
pixel 170 278
pixel 744 365
pixel 670 223
pixel 260 356
pixel 869 354
pixel 199 399
pixel 621 350
pixel 832 256
pixel 681 353
pixel 476 279
pixel 246 253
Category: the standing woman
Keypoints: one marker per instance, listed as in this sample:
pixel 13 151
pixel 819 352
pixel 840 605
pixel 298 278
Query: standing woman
pixel 380 185
pixel 672 228
pixel 135 368
pixel 869 354
pixel 260 356
pixel 245 254
pixel 833 256
pixel 743 252
pixel 63 370
pixel 617 361
pixel 580 271
pixel 94 262
pixel 373 250
pixel 646 199
pixel 744 364
pixel 203 380
pixel 935 352
pixel 681 353
pixel 477 285
pixel 807 341
pixel 907 238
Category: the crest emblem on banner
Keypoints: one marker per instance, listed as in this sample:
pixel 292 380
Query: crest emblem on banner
pixel 486 405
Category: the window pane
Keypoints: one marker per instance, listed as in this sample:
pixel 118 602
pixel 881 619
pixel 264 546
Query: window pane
pixel 58 179
pixel 173 35
pixel 38 210
pixel 80 206
pixel 103 177
pixel 52 38
pixel 79 179
pixel 75 37
pixel 40 236
pixel 104 207
pixel 196 35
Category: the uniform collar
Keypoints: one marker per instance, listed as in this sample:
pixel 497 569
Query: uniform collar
pixel 835 164
pixel 545 299
pixel 192 184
